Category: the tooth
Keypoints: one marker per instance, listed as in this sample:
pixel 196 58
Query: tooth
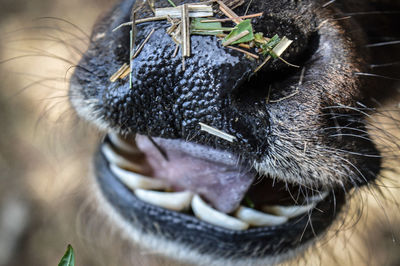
pixel 134 180
pixel 257 218
pixel 212 216
pixel 176 201
pixel 119 160
pixel 288 211
pixel 123 145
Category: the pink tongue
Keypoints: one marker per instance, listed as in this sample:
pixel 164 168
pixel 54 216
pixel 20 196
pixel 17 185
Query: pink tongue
pixel 215 175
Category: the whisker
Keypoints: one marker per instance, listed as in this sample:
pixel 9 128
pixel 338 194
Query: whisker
pixel 363 112
pixel 337 150
pixel 51 39
pixel 363 13
pixel 375 76
pixel 379 44
pixel 67 22
pixel 37 82
pixel 328 3
pixel 384 65
pixel 49 55
pixel 349 135
pixel 53 29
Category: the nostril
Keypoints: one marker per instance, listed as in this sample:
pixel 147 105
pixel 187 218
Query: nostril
pixel 305 41
pixel 276 79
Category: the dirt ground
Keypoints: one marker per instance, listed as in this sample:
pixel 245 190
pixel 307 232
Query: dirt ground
pixel 45 151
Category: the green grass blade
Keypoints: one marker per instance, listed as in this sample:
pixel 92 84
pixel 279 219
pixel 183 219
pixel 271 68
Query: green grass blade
pixel 209 28
pixel 171 3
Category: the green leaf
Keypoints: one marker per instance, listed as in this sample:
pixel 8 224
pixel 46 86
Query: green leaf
pixel 69 258
pixel 242 26
pixel 206 28
pixel 197 24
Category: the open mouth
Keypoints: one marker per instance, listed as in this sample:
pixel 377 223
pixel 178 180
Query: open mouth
pixel 207 197
pixel 195 194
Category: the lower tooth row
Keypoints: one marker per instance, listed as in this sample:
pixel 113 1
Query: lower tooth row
pixel 289 211
pixel 180 201
pixel 244 217
pixel 257 218
pixel 206 213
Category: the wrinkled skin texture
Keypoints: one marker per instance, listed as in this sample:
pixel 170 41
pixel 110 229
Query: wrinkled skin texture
pixel 311 138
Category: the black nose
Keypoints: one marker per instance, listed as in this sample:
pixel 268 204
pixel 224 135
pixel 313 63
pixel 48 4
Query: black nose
pixel 216 85
pixel 168 97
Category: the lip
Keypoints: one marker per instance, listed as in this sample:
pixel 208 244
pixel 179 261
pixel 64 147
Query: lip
pixel 205 238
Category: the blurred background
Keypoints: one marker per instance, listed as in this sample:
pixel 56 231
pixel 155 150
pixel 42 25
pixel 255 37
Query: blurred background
pixel 44 149
pixel 45 194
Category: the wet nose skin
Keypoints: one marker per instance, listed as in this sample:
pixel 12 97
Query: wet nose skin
pixel 216 87
pixel 169 101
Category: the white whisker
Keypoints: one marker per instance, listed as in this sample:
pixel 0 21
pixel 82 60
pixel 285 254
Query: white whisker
pixel 379 44
pixel 375 76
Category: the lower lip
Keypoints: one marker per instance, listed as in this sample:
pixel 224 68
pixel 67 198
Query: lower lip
pixel 194 233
